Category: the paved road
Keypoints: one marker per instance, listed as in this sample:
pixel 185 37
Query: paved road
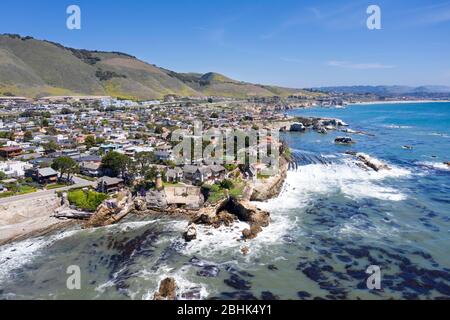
pixel 79 183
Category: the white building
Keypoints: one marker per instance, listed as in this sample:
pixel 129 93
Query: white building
pixel 14 169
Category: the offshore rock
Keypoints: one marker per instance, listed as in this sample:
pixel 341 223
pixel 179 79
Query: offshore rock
pixel 251 233
pixel 297 127
pixel 190 233
pixel 372 163
pixel 167 290
pixel 226 212
pixel 344 140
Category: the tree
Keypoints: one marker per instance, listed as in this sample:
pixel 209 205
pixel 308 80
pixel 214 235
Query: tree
pixel 151 174
pixel 90 142
pixel 66 111
pixel 51 146
pixel 44 123
pixel 227 184
pixel 115 164
pixel 159 129
pixel 144 160
pixel 65 165
pixel 99 140
pixel 3 176
pixel 28 136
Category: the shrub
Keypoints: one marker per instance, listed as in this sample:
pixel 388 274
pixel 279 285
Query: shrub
pixel 227 184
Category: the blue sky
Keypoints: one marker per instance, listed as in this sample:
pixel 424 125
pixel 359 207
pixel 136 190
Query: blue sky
pixel 291 43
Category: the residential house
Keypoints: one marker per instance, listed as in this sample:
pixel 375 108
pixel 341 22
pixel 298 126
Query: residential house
pixel 174 175
pixel 196 175
pixel 218 172
pixel 14 169
pixel 109 185
pixel 42 175
pixel 10 152
pixel 164 155
pixel 91 169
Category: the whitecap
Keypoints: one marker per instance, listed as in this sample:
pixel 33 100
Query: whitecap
pixel 394 126
pixel 317 179
pixel 434 165
pixel 16 255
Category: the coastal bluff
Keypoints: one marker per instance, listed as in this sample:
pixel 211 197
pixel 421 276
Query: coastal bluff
pixel 270 187
pixel 28 216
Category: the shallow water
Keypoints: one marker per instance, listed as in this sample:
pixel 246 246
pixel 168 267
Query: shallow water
pixel 332 220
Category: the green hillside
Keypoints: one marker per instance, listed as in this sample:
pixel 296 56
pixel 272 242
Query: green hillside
pixel 34 68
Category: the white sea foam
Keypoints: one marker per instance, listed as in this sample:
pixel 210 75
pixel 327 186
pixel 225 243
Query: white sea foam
pixel 358 222
pixel 18 254
pixel 318 179
pixel 184 285
pixel 443 135
pixel 211 240
pixel 227 241
pixel 394 126
pixel 434 165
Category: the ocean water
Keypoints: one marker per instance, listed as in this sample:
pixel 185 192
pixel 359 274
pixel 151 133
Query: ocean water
pixel 331 222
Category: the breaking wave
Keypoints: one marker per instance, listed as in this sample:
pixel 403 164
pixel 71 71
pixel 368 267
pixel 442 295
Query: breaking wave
pixel 434 165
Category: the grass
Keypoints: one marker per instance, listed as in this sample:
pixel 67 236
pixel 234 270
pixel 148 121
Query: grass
pixel 87 200
pixel 56 186
pixel 7 194
pixel 288 153
pixel 22 189
pixel 92 179
pixel 237 191
pixel 263 176
pixel 216 193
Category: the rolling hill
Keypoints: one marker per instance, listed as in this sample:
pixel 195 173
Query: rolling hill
pixel 34 68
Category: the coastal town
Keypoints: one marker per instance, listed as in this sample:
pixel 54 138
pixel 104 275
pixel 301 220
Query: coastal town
pixel 95 159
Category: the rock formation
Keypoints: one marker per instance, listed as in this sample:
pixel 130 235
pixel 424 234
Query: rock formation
pixel 167 290
pixel 270 188
pixel 251 233
pixel 226 212
pixel 297 127
pixel 245 250
pixel 344 140
pixel 190 233
pixel 112 210
pixel 156 200
pixel 372 163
